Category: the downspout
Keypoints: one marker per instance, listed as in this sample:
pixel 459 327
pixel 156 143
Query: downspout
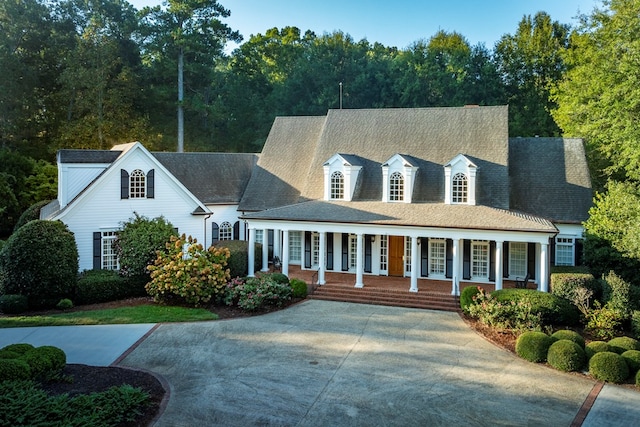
pixel 206 217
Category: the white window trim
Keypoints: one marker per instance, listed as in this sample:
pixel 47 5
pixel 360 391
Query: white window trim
pixel 137 184
pixel 487 261
pixel 460 164
pixel 572 244
pixel 432 258
pixel 512 273
pixel 350 174
pixel 398 164
pixel 107 264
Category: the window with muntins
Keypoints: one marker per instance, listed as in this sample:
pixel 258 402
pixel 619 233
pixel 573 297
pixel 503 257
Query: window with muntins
pixel 437 257
pixel 518 259
pixel 353 251
pixel 337 186
pixel 109 255
pixel 480 259
pixel 259 237
pixel 407 254
pixel 295 246
pixel 383 253
pixel 564 251
pixel 315 249
pixel 459 188
pixel 226 231
pixel 137 184
pixel 396 187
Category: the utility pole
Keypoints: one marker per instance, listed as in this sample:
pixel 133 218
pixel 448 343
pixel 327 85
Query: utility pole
pixel 341 95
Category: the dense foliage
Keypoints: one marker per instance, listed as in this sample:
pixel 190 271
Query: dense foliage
pixel 40 260
pixel 186 273
pixel 254 293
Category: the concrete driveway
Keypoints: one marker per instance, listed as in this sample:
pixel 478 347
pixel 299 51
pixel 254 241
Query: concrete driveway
pixel 323 363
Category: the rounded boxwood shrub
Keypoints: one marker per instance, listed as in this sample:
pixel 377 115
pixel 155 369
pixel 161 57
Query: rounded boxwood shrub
pixel 595 347
pixel 567 334
pixel 45 361
pixel 533 346
pixel 608 366
pixel 299 288
pixel 14 369
pixel 13 304
pixel 31 213
pixel 20 348
pixel 621 344
pixel 638 379
pixel 466 297
pixel 566 355
pixel 632 357
pixel 40 261
pixel 6 354
pixel 238 256
pixel 64 304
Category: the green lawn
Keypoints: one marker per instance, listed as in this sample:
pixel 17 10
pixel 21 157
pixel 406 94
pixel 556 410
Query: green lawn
pixel 139 314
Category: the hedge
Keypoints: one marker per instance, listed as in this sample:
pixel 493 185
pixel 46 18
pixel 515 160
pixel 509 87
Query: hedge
pixel 96 286
pixel 553 309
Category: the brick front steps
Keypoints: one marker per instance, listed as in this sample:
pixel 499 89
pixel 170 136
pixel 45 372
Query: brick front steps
pixel 392 297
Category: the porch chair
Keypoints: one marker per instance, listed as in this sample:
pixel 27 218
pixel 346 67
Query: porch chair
pixel 277 264
pixel 522 283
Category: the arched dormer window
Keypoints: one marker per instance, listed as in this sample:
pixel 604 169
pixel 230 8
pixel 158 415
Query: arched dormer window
pixel 396 187
pixel 459 188
pixel 225 231
pixel 337 186
pixel 137 184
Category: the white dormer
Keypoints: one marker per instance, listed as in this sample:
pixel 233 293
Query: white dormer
pixel 340 177
pixel 460 181
pixel 398 177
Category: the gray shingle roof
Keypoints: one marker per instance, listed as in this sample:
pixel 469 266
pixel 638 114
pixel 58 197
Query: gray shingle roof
pixel 213 178
pixel 437 215
pixel 297 147
pixel 87 156
pixel 550 178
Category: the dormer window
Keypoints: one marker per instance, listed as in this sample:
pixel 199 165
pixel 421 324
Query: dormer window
pixel 398 177
pixel 340 177
pixel 459 188
pixel 460 181
pixel 337 185
pixel 396 187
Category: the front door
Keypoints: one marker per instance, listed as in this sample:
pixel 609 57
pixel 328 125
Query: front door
pixel 396 256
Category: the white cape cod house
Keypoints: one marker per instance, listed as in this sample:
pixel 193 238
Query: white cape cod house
pixel 423 193
pixel 426 193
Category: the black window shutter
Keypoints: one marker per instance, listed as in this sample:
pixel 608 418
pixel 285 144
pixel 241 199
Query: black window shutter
pixel 236 230
pixel 492 260
pixel 124 184
pixel 97 250
pixel 345 252
pixel 531 260
pixel 307 249
pixel 329 251
pixel 215 233
pixel 466 259
pixel 424 257
pixel 579 252
pixel 552 252
pixel 505 259
pixel 367 253
pixel 270 243
pixel 150 184
pixel 449 265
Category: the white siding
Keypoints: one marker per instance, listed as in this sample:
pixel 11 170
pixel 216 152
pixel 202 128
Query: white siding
pixel 100 207
pixel 73 178
pixel 222 213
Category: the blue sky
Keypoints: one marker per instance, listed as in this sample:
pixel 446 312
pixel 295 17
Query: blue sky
pixel 397 22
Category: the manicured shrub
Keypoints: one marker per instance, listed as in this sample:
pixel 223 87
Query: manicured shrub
pixel 20 348
pixel 603 322
pixel 64 304
pixel 13 304
pixel 595 347
pixel 45 362
pixel 621 344
pixel 635 323
pixel 14 369
pixel 6 354
pixel 299 288
pixel 616 294
pixel 257 293
pixel 533 346
pixel 40 261
pixel 137 243
pixel 553 310
pixel 279 278
pixel 564 285
pixel 239 255
pixel 608 366
pixel 511 315
pixel 31 213
pixel 566 355
pixel 96 286
pixel 466 297
pixel 193 278
pixel 567 334
pixel 632 357
pixel 638 379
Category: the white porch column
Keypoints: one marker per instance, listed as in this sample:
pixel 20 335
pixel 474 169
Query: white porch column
pixel 276 243
pixel 359 261
pixel 322 248
pixel 285 252
pixel 265 250
pixel 499 266
pixel 544 270
pixel 252 252
pixel 415 257
pixel 456 273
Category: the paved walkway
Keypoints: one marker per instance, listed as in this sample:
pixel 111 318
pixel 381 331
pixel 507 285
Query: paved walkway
pixel 325 363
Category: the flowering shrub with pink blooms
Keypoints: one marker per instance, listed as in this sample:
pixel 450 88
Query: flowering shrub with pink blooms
pixel 254 293
pixel 187 273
